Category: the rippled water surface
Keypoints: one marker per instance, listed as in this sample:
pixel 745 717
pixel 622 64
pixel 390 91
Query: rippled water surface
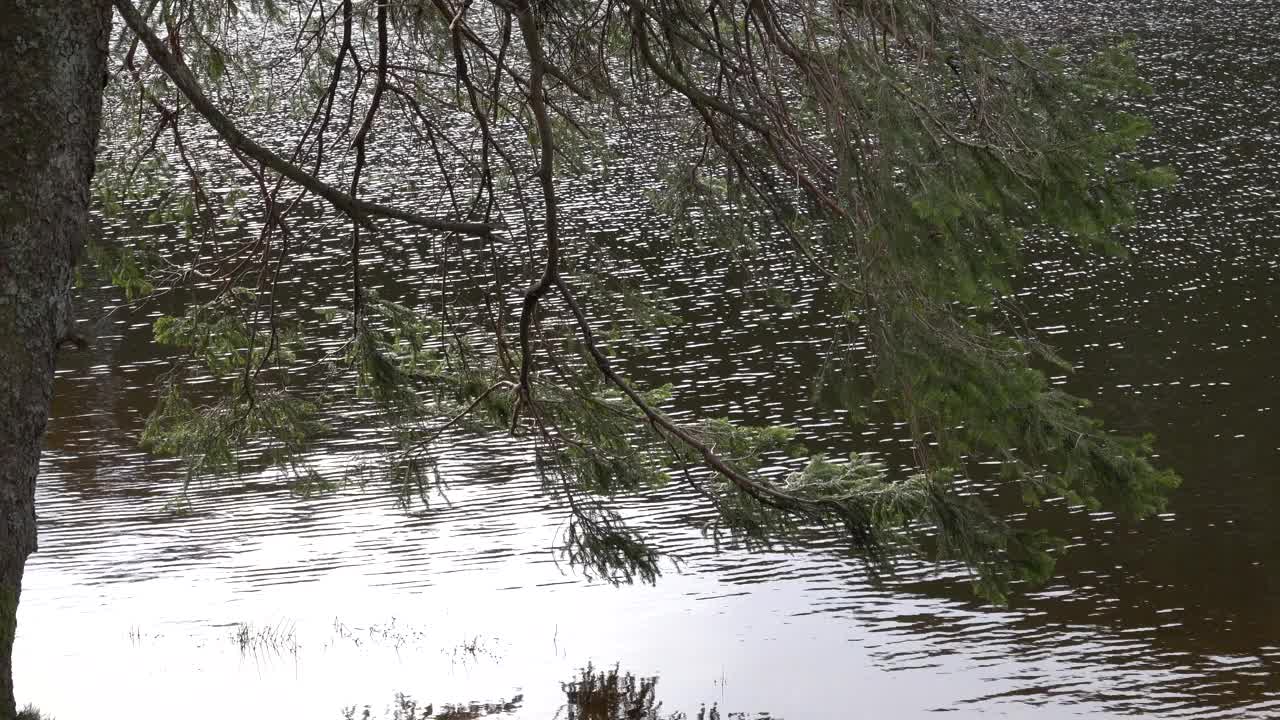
pixel 259 603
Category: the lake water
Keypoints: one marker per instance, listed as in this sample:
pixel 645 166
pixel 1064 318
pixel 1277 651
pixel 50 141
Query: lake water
pixel 259 603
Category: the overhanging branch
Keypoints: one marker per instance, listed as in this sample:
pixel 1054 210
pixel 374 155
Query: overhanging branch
pixel 359 210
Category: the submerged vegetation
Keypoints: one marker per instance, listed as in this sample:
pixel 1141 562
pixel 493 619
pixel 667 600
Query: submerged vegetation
pixel 901 151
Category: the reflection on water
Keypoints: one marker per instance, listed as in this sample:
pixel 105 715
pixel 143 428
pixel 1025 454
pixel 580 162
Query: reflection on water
pixel 606 695
pixel 138 594
pixel 591 695
pixel 406 708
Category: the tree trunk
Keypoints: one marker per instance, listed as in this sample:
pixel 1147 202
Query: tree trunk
pixel 53 60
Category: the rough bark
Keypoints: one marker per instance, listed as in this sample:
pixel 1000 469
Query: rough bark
pixel 53 61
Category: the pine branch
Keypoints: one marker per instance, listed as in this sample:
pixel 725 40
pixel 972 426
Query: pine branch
pixel 361 211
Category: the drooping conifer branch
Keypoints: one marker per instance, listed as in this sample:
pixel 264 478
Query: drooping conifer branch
pixel 360 142
pixel 899 150
pixel 846 510
pixel 546 176
pixel 361 211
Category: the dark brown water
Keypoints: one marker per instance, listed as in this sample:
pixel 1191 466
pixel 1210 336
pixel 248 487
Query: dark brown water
pixel 133 609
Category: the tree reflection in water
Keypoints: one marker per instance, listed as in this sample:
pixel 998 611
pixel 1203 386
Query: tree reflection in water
pixel 592 695
pixel 607 695
pixel 611 695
